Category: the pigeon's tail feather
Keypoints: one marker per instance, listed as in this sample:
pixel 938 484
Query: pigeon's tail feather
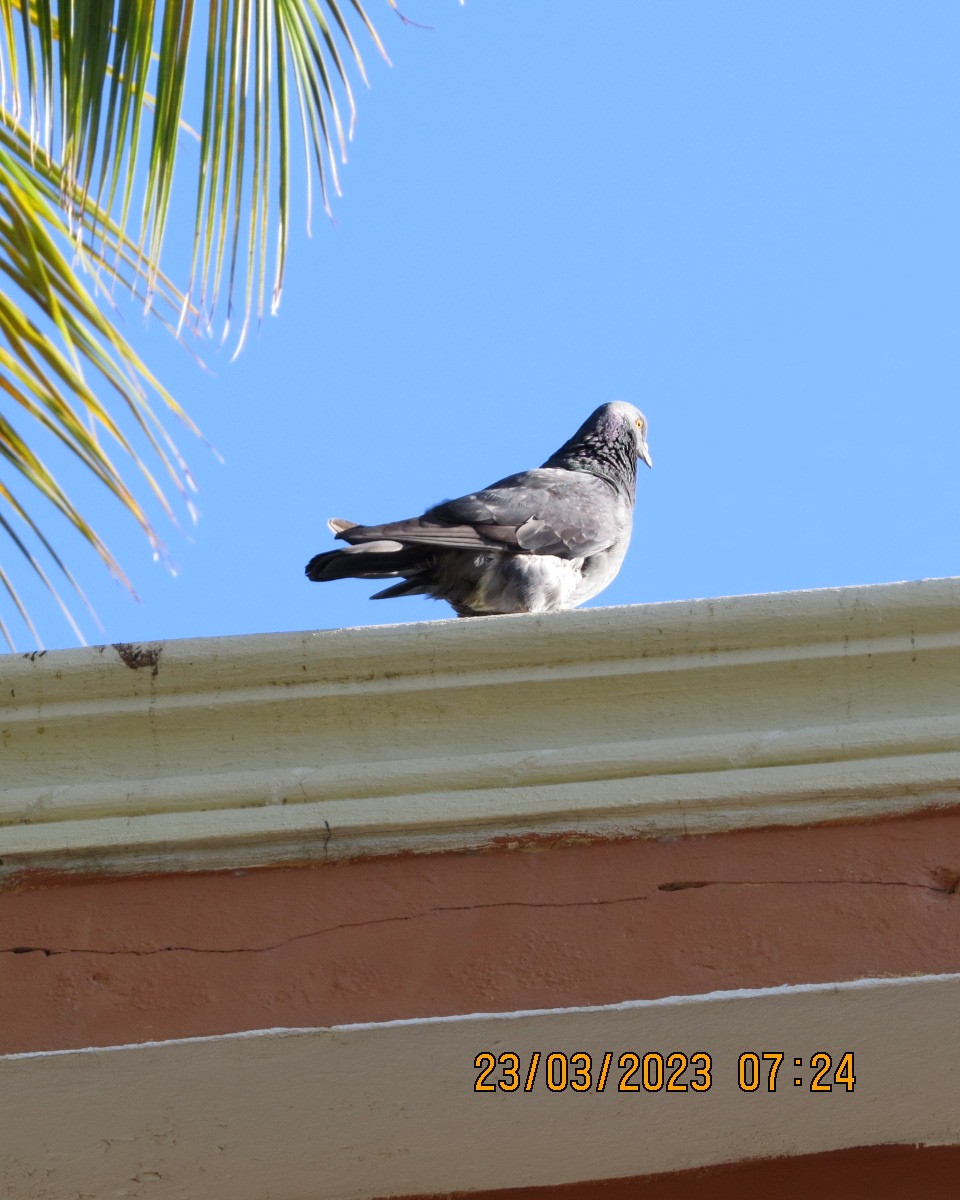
pixel 409 587
pixel 375 560
pixel 423 532
pixel 324 566
pixel 339 524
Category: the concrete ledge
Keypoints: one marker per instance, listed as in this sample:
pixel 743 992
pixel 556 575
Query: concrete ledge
pixel 651 720
pixel 390 1110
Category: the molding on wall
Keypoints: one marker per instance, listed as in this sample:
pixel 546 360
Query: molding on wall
pixel 651 720
pixel 362 1111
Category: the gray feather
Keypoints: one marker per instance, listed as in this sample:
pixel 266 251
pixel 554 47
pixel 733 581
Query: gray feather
pixel 536 541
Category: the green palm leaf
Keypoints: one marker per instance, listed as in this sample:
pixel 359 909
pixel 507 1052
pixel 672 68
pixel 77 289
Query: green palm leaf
pixel 94 121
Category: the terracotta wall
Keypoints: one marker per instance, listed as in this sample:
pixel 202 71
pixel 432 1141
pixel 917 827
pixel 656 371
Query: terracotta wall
pixel 901 1172
pixel 107 961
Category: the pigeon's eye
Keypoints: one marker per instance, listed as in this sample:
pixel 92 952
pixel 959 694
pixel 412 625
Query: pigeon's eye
pixel 639 424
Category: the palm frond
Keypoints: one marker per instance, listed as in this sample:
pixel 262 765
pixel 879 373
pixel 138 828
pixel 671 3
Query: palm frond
pixel 95 104
pixel 53 335
pixel 114 67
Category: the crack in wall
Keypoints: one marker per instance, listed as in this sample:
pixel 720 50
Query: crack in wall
pixel 299 937
pixel 677 886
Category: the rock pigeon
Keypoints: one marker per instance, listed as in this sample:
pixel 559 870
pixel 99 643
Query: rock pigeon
pixel 538 541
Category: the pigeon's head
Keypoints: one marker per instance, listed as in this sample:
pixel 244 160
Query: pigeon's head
pixel 607 444
pixel 624 415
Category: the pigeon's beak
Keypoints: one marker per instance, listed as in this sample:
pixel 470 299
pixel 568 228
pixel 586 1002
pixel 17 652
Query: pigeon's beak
pixel 644 453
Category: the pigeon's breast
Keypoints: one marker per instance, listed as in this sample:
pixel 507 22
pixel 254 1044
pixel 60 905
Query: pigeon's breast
pixel 599 570
pixel 521 583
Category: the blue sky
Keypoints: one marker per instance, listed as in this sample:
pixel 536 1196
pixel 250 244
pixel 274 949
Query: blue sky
pixel 740 216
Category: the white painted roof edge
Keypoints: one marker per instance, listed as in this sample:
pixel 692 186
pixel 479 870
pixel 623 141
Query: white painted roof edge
pixel 879 983
pixel 646 721
pixel 391 1110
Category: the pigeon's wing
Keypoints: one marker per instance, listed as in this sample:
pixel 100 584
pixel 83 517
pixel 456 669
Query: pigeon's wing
pixel 570 514
pixel 547 511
